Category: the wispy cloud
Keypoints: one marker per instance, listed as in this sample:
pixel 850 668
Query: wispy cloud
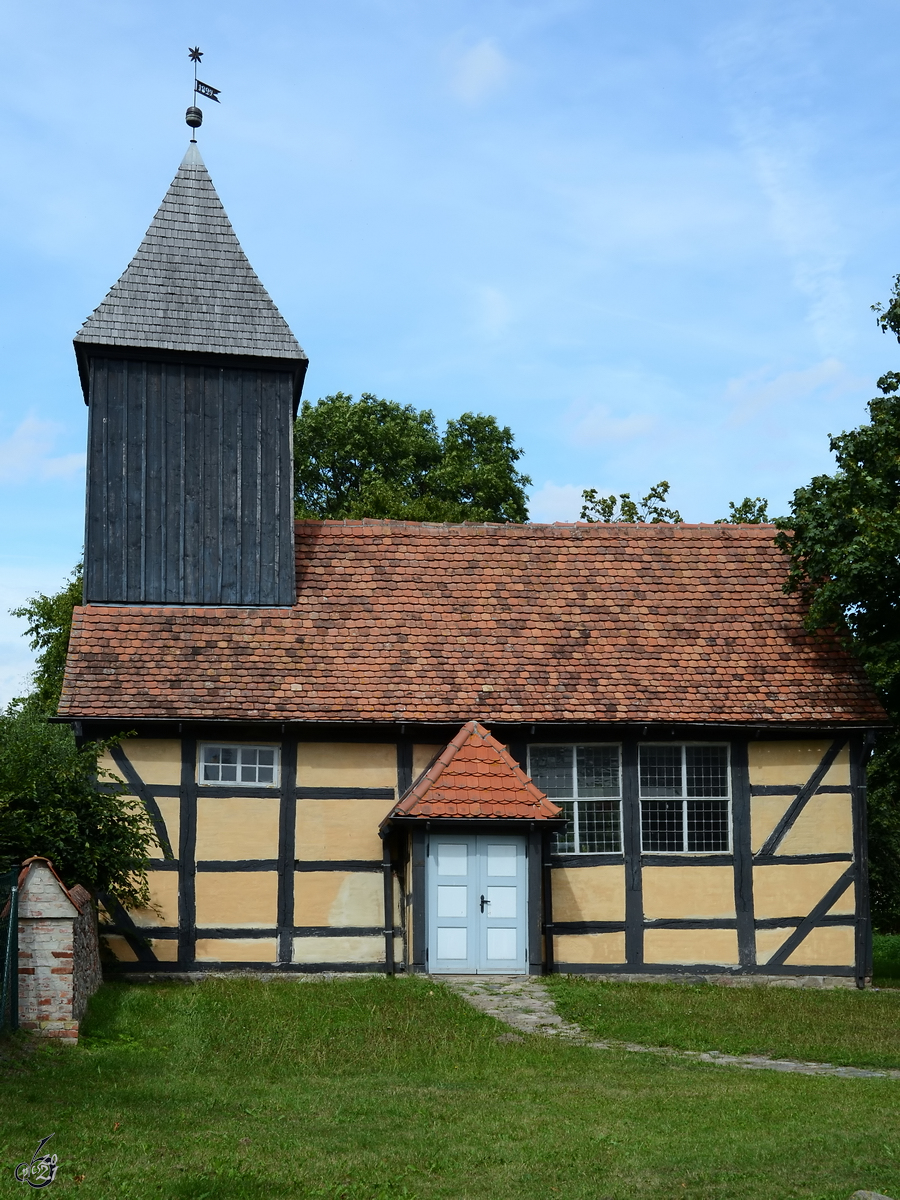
pixel 479 72
pixel 27 454
pixel 590 425
pixel 759 391
pixel 766 73
pixel 555 502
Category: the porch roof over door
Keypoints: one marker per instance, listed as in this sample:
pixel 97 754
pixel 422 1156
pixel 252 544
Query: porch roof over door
pixel 474 778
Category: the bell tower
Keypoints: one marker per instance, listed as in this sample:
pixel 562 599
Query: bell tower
pixel 192 379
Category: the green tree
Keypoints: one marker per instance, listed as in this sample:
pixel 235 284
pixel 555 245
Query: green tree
pixel 49 626
pixel 54 799
pixel 843 541
pixel 649 510
pixel 377 458
pixel 53 804
pixel 750 511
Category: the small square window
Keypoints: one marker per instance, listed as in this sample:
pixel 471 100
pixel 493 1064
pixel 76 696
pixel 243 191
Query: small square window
pixel 247 766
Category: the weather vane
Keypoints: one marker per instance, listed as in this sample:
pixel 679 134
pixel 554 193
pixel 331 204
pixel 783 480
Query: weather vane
pixel 194 116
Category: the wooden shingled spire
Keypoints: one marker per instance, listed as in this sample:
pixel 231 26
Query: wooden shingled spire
pixel 190 286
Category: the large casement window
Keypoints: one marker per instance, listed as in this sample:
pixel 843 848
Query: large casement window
pixel 246 766
pixel 684 799
pixel 586 782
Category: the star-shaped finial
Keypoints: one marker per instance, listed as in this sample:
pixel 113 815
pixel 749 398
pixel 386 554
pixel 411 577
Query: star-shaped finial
pixel 195 53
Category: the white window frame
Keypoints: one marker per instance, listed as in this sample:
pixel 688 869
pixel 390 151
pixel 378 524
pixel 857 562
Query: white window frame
pixel 575 798
pixel 685 799
pixel 238 783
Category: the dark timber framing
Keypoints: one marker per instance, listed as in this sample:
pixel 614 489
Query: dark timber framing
pixel 743 854
pixel 187 846
pixel 534 847
pixel 419 958
pixel 631 839
pixel 542 860
pixel 547 900
pixel 859 754
pixel 287 826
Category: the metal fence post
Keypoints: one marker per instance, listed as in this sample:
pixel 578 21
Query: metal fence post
pixel 9 941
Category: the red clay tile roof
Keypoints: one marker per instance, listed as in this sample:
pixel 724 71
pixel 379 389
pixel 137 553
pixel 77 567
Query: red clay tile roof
pixel 410 622
pixel 475 777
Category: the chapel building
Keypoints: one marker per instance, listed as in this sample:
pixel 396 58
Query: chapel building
pixel 390 746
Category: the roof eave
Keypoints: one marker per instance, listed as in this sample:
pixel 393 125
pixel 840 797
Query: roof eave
pixel 86 350
pixel 407 822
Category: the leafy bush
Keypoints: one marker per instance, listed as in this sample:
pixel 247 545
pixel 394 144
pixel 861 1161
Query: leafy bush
pixel 53 804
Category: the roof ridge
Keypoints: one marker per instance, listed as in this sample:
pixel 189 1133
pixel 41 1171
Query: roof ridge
pixel 599 528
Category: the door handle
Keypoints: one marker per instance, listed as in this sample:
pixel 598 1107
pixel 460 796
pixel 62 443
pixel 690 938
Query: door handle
pixel 484 901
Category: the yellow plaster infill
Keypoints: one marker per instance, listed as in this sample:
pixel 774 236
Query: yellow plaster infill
pixel 336 829
pixel 768 941
pixel 688 892
pixel 237 827
pixel 794 889
pixel 715 946
pixel 120 948
pixel 589 948
pixel 170 809
pixel 338 898
pixel 155 760
pixel 228 950
pixel 588 894
pixel 824 826
pixel 830 946
pixel 765 813
pixel 237 899
pixel 346 764
pixel 339 950
pixel 773 763
pixel 165 949
pixel 164 900
pixel 105 763
pixel 422 756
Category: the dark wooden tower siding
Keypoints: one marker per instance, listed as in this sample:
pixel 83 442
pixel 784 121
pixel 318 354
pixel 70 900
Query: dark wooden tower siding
pixel 189 494
pixel 192 378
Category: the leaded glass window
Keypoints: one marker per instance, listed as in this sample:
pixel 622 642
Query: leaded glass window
pixel 585 781
pixel 684 799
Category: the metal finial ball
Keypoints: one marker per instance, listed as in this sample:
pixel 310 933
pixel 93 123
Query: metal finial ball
pixel 194 117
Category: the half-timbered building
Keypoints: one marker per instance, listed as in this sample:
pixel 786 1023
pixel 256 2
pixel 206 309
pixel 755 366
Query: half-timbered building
pixel 376 745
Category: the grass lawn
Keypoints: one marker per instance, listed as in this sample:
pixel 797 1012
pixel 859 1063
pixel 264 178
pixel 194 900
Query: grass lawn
pixel 395 1088
pixel 843 1026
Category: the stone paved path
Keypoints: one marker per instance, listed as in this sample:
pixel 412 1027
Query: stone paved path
pixel 523 1002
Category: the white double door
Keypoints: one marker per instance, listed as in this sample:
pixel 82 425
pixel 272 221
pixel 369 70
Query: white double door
pixel 477 905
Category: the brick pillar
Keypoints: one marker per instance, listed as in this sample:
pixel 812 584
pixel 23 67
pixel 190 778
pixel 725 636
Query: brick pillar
pixel 48 914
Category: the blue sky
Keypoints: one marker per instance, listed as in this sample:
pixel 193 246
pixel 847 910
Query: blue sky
pixel 646 236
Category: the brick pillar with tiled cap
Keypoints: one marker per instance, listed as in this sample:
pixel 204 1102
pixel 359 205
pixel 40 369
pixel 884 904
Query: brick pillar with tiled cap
pixel 51 918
